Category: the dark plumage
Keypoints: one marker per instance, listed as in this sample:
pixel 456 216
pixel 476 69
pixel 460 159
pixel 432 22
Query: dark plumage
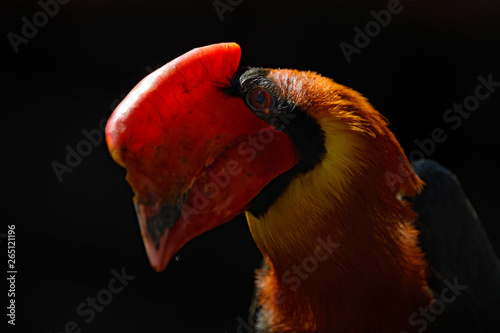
pixel 457 249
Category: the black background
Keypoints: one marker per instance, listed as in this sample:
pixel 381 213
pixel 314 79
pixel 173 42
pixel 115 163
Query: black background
pixel 69 76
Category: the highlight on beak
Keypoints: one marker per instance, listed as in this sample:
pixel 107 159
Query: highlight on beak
pixel 185 146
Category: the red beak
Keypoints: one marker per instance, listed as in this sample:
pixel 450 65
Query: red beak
pixel 195 157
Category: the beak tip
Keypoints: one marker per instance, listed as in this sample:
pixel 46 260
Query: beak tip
pixel 156 251
pixel 155 232
pixel 157 269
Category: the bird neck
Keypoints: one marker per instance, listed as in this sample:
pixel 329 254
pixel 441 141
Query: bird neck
pixel 341 247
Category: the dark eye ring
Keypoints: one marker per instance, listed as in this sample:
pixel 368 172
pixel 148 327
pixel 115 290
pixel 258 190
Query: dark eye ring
pixel 260 98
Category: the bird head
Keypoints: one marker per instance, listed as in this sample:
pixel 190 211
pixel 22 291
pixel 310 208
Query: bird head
pixel 204 140
pixel 195 155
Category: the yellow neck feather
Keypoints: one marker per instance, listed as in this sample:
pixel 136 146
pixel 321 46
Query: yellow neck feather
pixel 291 218
pixel 342 201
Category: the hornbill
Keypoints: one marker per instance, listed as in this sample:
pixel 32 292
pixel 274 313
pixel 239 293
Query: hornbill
pixel 354 237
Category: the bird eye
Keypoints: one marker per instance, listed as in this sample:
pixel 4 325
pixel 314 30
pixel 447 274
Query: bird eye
pixel 260 98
